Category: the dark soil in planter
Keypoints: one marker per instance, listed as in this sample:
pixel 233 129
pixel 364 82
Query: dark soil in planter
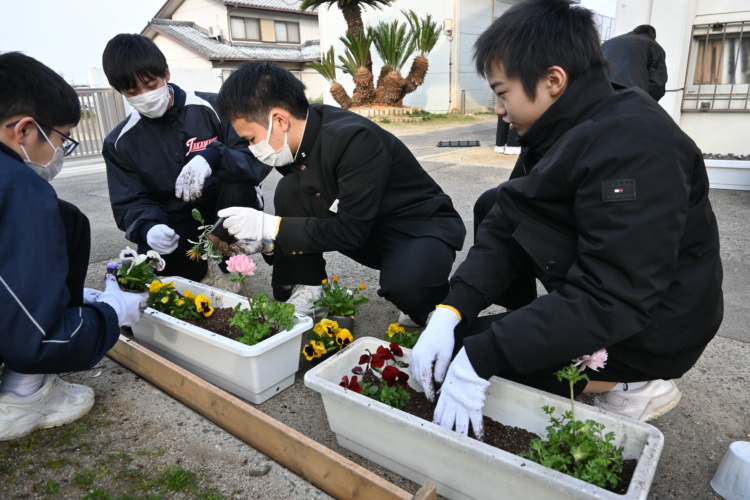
pixel 511 439
pixel 218 323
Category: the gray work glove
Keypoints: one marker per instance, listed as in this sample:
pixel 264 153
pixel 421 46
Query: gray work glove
pixel 189 184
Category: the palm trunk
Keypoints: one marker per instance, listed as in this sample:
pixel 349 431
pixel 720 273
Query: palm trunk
pixel 392 88
pixel 340 96
pixel 364 90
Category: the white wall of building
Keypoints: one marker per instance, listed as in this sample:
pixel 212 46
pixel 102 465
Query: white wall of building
pixel 203 13
pixel 179 56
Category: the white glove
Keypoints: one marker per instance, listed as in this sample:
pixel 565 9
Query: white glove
pixel 162 238
pixel 435 345
pixel 250 224
pixel 90 295
pixel 189 185
pixel 249 247
pixel 128 306
pixel 462 398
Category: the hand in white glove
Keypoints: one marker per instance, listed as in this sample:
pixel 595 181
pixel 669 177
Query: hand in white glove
pixel 250 224
pixel 162 238
pixel 128 306
pixel 189 185
pixel 462 398
pixel 435 345
pixel 90 295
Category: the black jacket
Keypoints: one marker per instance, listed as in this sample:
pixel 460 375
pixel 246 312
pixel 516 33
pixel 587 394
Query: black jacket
pixel 145 156
pixel 39 333
pixel 614 219
pixel 637 61
pixel 349 164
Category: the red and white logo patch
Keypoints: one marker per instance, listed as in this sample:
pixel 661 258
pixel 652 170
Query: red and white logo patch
pixel 194 144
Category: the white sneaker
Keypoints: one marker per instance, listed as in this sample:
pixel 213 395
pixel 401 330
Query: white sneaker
pixel 512 150
pixel 406 321
pixel 650 401
pixel 500 149
pixel 303 297
pixel 55 403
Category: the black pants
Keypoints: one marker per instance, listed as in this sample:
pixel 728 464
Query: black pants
pixel 78 243
pixel 413 270
pixel 523 290
pixel 504 136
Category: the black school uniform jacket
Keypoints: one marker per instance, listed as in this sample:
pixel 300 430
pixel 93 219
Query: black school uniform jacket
pixel 145 156
pixel 613 218
pixel 360 178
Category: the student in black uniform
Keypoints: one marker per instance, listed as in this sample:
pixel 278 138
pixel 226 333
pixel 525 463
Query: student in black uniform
pixel 348 186
pixel 611 215
pixel 172 154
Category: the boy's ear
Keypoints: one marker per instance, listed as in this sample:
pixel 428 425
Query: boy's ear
pixel 280 118
pixel 166 75
pixel 556 81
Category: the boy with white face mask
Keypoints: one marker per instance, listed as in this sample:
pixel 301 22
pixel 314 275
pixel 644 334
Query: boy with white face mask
pixel 171 155
pixel 50 323
pixel 348 186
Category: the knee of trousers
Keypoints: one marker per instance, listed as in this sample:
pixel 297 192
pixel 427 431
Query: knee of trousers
pixel 413 296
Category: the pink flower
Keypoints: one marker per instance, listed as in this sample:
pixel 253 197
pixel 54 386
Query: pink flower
pixel 594 361
pixel 241 264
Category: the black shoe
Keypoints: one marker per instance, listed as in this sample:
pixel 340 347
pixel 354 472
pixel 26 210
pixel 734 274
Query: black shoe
pixel 282 293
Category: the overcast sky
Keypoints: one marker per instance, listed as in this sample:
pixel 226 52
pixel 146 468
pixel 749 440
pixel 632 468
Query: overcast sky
pixel 70 36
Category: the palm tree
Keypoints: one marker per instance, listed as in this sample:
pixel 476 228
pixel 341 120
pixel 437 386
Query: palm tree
pixel 327 68
pixel 395 44
pixel 354 62
pixel 427 33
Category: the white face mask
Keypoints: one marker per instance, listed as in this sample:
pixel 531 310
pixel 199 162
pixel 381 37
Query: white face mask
pixel 53 167
pixel 151 104
pixel 266 154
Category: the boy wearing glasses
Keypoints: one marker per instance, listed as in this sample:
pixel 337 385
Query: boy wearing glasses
pixel 50 323
pixel 170 156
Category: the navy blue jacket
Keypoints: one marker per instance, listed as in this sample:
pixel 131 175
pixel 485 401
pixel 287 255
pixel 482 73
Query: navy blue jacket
pixel 39 333
pixel 145 156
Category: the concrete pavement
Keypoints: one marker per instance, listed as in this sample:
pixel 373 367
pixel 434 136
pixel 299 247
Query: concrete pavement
pixel 714 411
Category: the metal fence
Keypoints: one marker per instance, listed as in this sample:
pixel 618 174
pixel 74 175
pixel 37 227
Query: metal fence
pixel 101 110
pixel 718 76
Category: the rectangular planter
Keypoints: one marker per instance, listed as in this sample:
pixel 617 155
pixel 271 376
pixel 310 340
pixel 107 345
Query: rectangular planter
pixel 461 467
pixel 252 372
pixel 729 174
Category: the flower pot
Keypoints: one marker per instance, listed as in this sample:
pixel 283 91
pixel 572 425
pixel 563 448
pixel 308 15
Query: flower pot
pixel 252 372
pixel 461 467
pixel 346 322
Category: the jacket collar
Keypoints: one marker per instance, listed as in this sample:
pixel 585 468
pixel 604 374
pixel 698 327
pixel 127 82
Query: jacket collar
pixel 10 152
pixel 584 96
pixel 310 135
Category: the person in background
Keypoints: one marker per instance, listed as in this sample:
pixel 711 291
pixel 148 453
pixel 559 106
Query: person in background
pixel 612 216
pixel 348 186
pixel 170 156
pixel 50 324
pixel 637 60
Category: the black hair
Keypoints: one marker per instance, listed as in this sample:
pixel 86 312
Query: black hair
pixel 31 88
pixel 645 29
pixel 534 35
pixel 253 89
pixel 130 56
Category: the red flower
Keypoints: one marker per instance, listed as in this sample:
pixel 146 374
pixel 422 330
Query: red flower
pixel 352 384
pixel 393 376
pixel 365 358
pixel 396 349
pixel 380 357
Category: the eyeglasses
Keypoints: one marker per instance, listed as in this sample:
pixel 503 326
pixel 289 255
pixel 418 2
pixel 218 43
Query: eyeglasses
pixel 68 145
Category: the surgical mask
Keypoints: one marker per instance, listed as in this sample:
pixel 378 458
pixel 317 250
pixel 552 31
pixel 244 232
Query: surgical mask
pixel 265 153
pixel 51 169
pixel 152 104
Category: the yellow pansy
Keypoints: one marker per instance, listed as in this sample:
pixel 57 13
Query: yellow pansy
pixel 188 294
pixel 203 305
pixel 179 302
pixel 344 337
pixel 394 329
pixel 325 327
pixel 164 300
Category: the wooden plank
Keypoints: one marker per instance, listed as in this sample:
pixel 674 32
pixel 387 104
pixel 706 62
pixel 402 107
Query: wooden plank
pixel 327 470
pixel 426 492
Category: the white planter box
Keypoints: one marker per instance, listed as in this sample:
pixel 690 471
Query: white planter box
pixel 463 468
pixel 729 174
pixel 252 372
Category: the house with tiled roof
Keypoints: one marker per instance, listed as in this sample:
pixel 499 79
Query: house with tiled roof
pixel 204 40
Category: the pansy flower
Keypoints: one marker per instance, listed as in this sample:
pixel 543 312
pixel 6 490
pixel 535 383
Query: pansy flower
pixel 352 385
pixel 344 337
pixel 394 329
pixel 393 376
pixel 203 305
pixel 326 327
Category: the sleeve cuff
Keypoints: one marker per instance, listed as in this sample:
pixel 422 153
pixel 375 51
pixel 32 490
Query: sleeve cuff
pixel 212 155
pixel 484 355
pixel 465 299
